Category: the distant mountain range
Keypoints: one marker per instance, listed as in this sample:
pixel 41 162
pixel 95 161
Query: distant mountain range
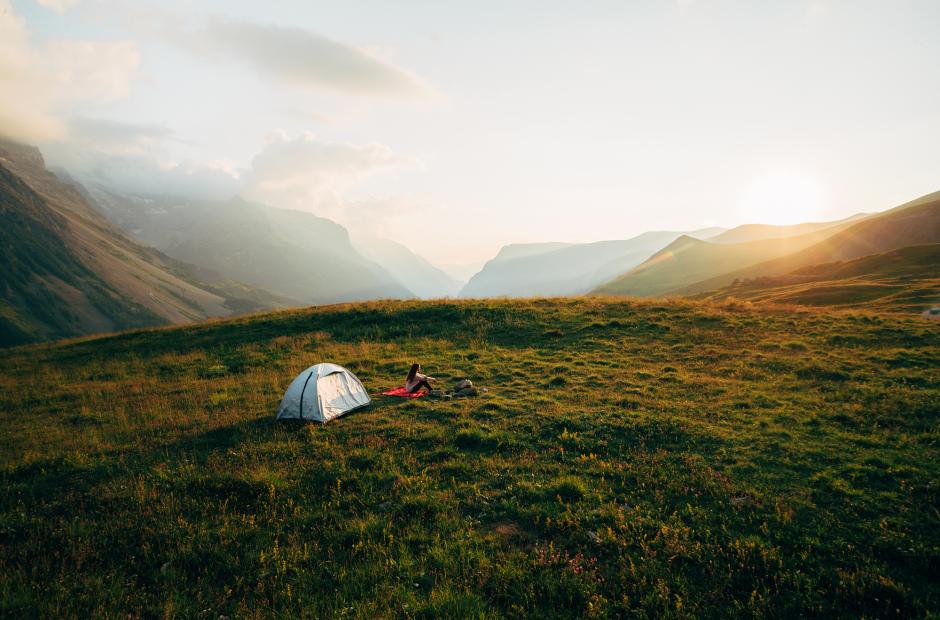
pixel 67 271
pixel 757 232
pixel 913 223
pixel 689 267
pixel 421 277
pixel 550 269
pixel 291 253
pixel 82 259
pixel 687 260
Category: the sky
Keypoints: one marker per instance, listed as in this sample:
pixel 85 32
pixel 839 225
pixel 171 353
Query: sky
pixel 458 127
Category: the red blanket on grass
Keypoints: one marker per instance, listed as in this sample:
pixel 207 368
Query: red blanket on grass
pixel 404 393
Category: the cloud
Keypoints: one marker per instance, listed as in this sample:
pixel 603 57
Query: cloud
pixel 97 71
pixel 35 83
pixel 384 217
pixel 309 174
pixel 302 173
pixel 303 58
pixel 290 55
pixel 93 144
pixel 135 158
pixel 111 135
pixel 311 116
pixel 25 97
pixel 143 175
pixel 59 6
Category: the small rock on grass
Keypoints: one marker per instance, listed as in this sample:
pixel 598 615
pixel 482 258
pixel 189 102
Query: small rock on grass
pixel 463 384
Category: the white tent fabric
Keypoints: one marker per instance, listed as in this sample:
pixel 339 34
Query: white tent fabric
pixel 321 393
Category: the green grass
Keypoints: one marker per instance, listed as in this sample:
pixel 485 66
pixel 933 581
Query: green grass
pixel 649 459
pixel 688 261
pixel 902 280
pixel 36 260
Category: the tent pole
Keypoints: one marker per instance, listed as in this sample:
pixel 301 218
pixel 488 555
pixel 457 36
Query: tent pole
pixel 301 412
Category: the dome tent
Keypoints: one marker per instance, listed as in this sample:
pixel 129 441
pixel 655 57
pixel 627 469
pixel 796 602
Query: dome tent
pixel 321 393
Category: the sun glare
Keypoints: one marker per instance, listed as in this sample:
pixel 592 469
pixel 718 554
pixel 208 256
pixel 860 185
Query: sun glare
pixel 781 198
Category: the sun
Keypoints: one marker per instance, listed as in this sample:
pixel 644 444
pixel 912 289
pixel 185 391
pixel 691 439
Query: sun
pixel 781 198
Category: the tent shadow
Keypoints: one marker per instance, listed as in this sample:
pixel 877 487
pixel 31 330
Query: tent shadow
pixel 234 435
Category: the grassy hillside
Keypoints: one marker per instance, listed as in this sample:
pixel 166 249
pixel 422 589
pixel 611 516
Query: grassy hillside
pixel 46 291
pixel 630 458
pixel 914 223
pixel 904 280
pixel 756 232
pixel 68 271
pixel 688 266
pixel 686 261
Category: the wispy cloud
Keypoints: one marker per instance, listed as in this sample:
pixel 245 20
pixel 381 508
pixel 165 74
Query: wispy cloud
pixel 24 98
pixel 311 116
pixel 301 172
pixel 313 175
pixel 97 71
pixel 37 82
pixel 134 157
pixel 117 137
pixel 300 57
pixel 291 55
pixel 60 6
pixel 386 216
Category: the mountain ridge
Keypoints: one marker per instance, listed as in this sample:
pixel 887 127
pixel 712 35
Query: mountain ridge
pixel 757 232
pixel 69 272
pixel 687 260
pixel 916 222
pixel 906 279
pixel 570 270
pixel 292 253
pixel 413 271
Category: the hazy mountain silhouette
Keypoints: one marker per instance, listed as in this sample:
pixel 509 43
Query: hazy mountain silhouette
pixel 530 270
pixel 691 266
pixel 67 271
pixel 414 272
pixel 686 261
pixel 757 232
pixel 913 223
pixel 291 253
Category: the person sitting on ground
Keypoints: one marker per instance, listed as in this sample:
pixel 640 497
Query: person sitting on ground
pixel 416 380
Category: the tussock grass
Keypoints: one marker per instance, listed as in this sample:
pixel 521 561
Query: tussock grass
pixel 657 459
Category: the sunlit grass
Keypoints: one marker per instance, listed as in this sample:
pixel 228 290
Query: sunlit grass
pixel 647 458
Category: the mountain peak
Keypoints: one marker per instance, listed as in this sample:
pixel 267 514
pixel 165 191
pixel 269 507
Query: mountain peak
pixel 522 250
pixel 18 154
pixel 681 243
